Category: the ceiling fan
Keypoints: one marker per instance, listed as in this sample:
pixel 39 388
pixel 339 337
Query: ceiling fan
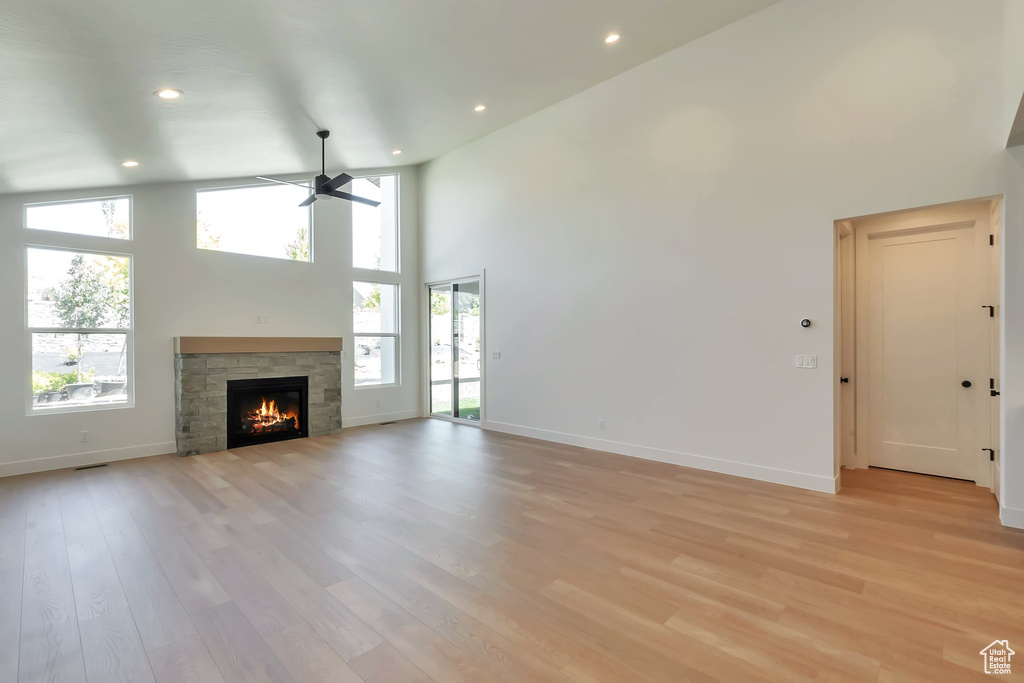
pixel 322 185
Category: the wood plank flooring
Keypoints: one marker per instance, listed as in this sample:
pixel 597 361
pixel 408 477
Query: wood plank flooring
pixel 428 551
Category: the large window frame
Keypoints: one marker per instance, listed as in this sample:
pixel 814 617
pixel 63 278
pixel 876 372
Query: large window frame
pixel 310 220
pixel 80 235
pixel 396 336
pixel 382 277
pixel 76 243
pixel 378 273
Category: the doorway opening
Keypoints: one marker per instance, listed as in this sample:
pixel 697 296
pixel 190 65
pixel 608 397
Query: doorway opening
pixel 917 341
pixel 455 348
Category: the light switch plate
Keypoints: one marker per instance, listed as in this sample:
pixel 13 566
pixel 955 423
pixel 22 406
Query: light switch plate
pixel 496 355
pixel 807 362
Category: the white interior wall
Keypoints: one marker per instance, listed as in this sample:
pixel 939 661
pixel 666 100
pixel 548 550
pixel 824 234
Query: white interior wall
pixel 1013 60
pixel 184 291
pixel 652 243
pixel 1011 496
pixel 1012 387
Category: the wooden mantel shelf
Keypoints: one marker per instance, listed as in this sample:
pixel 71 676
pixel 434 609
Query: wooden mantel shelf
pixel 255 344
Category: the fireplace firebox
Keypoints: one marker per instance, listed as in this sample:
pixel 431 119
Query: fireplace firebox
pixel 267 410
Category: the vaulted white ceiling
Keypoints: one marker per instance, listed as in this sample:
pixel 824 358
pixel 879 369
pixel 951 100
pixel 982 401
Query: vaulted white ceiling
pixel 261 76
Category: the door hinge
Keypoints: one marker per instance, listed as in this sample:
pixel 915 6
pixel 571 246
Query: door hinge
pixel 991 311
pixel 991 454
pixel 991 240
pixel 844 380
pixel 992 387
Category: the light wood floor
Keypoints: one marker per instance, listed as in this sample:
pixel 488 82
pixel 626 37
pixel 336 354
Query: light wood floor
pixel 428 551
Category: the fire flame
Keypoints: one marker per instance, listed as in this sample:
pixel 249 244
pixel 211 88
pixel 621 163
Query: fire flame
pixel 268 415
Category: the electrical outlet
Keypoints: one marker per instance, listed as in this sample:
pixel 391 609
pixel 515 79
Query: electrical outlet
pixel 262 319
pixel 85 436
pixel 600 425
pixel 379 403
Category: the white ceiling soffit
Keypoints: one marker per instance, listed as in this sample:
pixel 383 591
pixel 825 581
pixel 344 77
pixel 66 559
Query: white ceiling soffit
pixel 261 76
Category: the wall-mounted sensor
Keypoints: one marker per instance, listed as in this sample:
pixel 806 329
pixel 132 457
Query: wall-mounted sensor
pixel 805 323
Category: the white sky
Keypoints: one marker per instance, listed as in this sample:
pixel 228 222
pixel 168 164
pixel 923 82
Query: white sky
pixel 260 220
pixel 81 218
pixel 365 224
pixel 263 220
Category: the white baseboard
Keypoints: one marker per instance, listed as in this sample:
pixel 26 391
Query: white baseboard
pixel 58 462
pixel 10 469
pixel 760 472
pixel 377 419
pixel 1012 517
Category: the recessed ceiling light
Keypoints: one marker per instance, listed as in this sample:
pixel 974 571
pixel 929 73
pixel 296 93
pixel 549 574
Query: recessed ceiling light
pixel 168 93
pixel 129 164
pixel 396 152
pixel 612 38
pixel 480 107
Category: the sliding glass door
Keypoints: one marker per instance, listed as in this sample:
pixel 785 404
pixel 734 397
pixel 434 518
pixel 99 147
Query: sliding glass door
pixel 455 360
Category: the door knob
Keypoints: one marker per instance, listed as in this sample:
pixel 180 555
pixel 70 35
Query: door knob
pixel 966 384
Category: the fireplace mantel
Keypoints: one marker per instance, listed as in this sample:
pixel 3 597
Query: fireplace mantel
pixel 203 367
pixel 213 345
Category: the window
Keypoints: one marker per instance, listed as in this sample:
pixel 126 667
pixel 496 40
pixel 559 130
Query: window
pixel 107 217
pixel 260 220
pixel 375 324
pixel 375 229
pixel 79 328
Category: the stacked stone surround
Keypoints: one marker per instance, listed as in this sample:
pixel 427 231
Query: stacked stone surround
pixel 201 392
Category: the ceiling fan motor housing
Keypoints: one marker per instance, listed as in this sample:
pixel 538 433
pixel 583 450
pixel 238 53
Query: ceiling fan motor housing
pixel 324 186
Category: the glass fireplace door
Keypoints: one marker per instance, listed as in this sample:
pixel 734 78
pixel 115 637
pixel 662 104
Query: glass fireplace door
pixel 455 348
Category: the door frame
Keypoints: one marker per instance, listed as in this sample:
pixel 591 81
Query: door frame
pixel 848 342
pixel 425 339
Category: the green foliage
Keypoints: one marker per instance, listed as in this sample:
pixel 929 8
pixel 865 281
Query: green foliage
pixel 115 228
pixel 205 239
pixel 52 381
pixel 298 249
pixel 438 304
pixel 372 302
pixel 467 305
pixel 73 356
pixel 96 292
pixel 116 276
pixel 80 300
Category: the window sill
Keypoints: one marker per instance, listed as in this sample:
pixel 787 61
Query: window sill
pixel 364 387
pixel 79 409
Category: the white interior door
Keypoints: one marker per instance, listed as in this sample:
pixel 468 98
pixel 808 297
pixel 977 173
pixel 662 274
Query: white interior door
pixel 923 337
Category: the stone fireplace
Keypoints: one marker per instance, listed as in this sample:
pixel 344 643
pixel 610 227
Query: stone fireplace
pixel 240 391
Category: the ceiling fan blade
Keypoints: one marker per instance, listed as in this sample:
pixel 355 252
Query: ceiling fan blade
pixel 284 182
pixel 337 181
pixel 353 198
pixel 309 200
